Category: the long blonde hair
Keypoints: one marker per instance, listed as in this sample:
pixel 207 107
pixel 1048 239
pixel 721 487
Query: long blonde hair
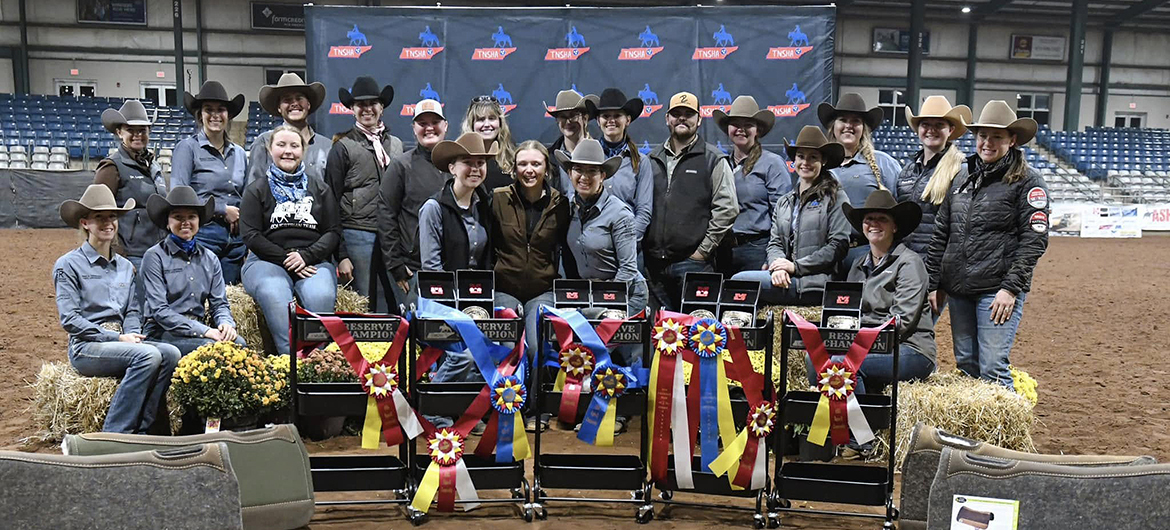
pixel 486 108
pixel 865 146
pixel 944 172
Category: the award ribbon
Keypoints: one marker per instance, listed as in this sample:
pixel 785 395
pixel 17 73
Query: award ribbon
pixel 744 459
pixel 669 404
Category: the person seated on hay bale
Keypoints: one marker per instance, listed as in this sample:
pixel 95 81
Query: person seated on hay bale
pixel 97 305
pixel 290 225
pixel 179 275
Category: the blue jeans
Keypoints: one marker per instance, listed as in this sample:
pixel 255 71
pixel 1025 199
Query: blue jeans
pixel 359 244
pixel 229 248
pixel 749 256
pixel 145 369
pixel 186 345
pixel 531 314
pixel 772 295
pixel 665 280
pixel 877 370
pixel 272 287
pixel 981 346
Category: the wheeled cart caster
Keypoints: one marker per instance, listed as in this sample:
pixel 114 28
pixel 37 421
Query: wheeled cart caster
pixel 645 514
pixel 758 521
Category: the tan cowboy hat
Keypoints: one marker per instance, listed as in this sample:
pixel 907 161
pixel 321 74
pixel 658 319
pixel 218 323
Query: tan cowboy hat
pixel 906 214
pixel 97 198
pixel 213 91
pixel 468 144
pixel 289 82
pixel 131 113
pixel 939 107
pixel 571 100
pixel 159 207
pixel 746 107
pixel 996 114
pixel 850 103
pixel 811 137
pixel 589 153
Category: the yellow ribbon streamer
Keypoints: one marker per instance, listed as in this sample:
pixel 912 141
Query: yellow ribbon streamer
pixel 726 421
pixel 651 399
pixel 820 425
pixel 426 489
pixel 728 461
pixel 560 383
pixel 605 429
pixel 372 428
pixel 520 439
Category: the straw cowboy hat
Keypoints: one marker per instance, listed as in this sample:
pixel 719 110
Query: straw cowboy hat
pixel 571 100
pixel 468 144
pixel 365 88
pixel 939 107
pixel 131 113
pixel 996 114
pixel 811 137
pixel 746 107
pixel 614 99
pixel 850 103
pixel 289 82
pixel 97 198
pixel 906 214
pixel 213 91
pixel 159 208
pixel 589 153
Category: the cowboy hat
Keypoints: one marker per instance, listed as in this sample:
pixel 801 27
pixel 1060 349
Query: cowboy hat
pixel 213 91
pixel 131 113
pixel 811 137
pixel 571 100
pixel 906 214
pixel 365 88
pixel 850 103
pixel 159 207
pixel 468 144
pixel 614 99
pixel 939 107
pixel 589 153
pixel 97 198
pixel 996 114
pixel 289 82
pixel 746 107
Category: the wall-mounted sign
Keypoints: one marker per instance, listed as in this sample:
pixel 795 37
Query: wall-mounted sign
pixel 1037 47
pixel 890 40
pixel 112 12
pixel 286 17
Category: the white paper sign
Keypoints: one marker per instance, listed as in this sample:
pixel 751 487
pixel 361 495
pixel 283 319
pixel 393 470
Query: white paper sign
pixel 984 513
pixel 1112 221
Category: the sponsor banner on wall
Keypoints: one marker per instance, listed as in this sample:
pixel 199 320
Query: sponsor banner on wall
pixel 1156 217
pixel 287 17
pixel 1037 47
pixel 1065 219
pixel 1111 221
pixel 112 12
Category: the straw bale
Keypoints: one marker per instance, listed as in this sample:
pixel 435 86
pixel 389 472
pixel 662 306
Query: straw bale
pixel 797 377
pixel 252 327
pixel 65 402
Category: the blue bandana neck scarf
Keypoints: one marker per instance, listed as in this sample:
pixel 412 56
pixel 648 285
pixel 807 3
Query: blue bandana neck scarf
pixel 185 246
pixel 287 187
pixel 615 148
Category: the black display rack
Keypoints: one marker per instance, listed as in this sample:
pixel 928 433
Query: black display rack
pixel 582 471
pixel 758 337
pixel 366 472
pixel 836 483
pixel 453 399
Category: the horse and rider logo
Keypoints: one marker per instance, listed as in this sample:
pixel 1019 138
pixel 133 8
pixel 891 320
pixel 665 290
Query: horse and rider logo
pixel 648 46
pixel 575 46
pixel 649 99
pixel 501 47
pixel 797 102
pixel 504 98
pixel 428 46
pixel 427 92
pixel 358 44
pixel 724 46
pixel 721 100
pixel 798 45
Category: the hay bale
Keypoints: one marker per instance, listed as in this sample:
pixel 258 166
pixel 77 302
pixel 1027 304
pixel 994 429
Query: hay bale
pixel 349 301
pixel 252 327
pixel 66 402
pixel 797 376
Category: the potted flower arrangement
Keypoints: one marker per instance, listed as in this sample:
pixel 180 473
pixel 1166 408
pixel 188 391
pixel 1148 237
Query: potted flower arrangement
pixel 324 366
pixel 229 386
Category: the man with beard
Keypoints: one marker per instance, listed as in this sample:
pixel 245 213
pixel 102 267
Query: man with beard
pixel 293 100
pixel 694 203
pixel 408 182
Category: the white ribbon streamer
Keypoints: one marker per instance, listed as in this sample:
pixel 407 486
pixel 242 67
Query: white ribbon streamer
pixel 857 422
pixel 680 430
pixel 464 487
pixel 406 417
pixel 760 469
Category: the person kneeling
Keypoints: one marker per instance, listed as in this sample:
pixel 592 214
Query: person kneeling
pixel 179 275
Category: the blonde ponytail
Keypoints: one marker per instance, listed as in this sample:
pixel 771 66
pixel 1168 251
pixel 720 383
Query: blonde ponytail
pixel 944 172
pixel 866 148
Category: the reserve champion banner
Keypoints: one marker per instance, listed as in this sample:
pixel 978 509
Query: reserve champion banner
pixel 783 56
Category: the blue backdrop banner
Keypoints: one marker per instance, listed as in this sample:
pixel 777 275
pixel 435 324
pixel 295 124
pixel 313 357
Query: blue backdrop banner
pixel 783 56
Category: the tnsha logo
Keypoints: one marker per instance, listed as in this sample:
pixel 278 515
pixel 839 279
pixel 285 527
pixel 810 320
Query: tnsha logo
pixel 338 108
pixel 724 46
pixel 426 93
pixel 648 47
pixel 650 100
pixel 797 102
pixel 722 101
pixel 428 46
pixel 504 98
pixel 501 47
pixel 575 43
pixel 798 45
pixel 357 46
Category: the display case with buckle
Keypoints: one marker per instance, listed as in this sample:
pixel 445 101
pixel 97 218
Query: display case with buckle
pixel 842 305
pixel 738 300
pixel 571 293
pixel 700 296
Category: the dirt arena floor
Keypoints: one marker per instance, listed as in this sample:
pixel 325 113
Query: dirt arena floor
pixel 1094 334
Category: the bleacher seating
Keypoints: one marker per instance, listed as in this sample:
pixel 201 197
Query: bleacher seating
pixel 258 122
pixel 1104 152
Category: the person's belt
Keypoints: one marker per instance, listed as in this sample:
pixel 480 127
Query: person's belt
pixel 740 239
pixel 112 325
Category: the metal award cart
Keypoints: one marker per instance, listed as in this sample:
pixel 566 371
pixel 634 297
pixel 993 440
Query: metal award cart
pixel 584 471
pixel 382 471
pixel 452 399
pixel 827 482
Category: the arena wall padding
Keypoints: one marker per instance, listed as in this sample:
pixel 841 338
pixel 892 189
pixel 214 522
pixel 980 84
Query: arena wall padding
pixel 30 199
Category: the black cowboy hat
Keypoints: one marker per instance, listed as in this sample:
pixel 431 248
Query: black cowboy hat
pixel 614 99
pixel 811 137
pixel 906 214
pixel 213 91
pixel 159 207
pixel 365 88
pixel 850 103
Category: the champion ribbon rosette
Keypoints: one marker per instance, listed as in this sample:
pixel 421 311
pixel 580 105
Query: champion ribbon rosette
pixel 388 414
pixel 576 365
pixel 447 475
pixel 505 428
pixel 609 383
pixel 707 338
pixel 668 406
pixel 747 452
pixel 838 411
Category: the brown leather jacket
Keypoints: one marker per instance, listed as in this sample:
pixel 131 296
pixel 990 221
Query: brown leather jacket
pixel 526 264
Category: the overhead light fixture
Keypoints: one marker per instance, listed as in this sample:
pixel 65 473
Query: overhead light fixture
pixel 966 9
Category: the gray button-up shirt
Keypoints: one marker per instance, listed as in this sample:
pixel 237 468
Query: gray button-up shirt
pixel 856 177
pixel 91 291
pixel 602 239
pixel 758 192
pixel 177 285
pixel 430 234
pixel 315 156
pixel 211 174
